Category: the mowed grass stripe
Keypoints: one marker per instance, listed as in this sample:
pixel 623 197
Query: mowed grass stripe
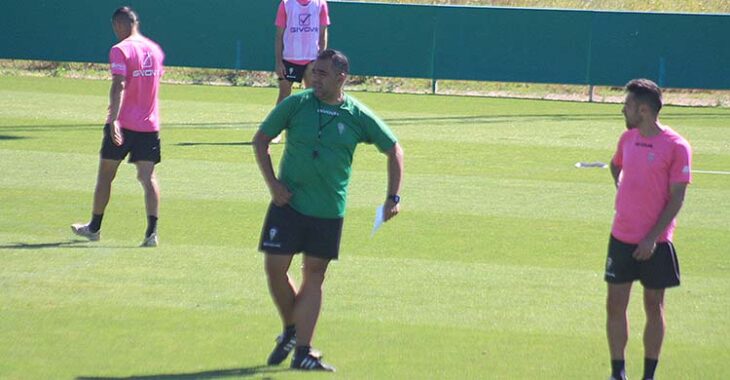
pixel 449 294
pixel 469 195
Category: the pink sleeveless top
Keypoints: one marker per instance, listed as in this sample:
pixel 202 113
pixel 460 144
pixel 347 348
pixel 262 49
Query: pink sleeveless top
pixel 302 20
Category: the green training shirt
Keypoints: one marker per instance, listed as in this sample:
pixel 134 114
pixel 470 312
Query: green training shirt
pixel 320 143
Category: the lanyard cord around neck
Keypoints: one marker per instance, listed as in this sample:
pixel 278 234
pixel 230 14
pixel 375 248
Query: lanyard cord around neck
pixel 320 126
pixel 319 119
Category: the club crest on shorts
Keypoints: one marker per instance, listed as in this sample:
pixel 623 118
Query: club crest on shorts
pixel 272 233
pixel 270 243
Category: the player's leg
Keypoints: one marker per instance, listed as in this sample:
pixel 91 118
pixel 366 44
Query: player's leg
pixel 617 318
pixel 307 307
pixel 145 154
pixel 284 89
pixel 617 325
pixel 658 273
pixel 654 329
pixel 105 177
pixel 102 193
pixel 147 178
pixel 309 299
pixel 283 292
pixel 281 286
pixel 111 156
pixel 307 77
pixel 281 238
pixel 621 271
pixel 321 247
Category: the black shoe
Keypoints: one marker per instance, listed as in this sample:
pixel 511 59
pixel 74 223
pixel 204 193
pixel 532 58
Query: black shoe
pixel 284 345
pixel 311 362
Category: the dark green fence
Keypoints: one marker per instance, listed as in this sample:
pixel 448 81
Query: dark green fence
pixel 439 42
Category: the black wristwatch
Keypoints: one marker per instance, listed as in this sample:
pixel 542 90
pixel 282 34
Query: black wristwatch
pixel 395 198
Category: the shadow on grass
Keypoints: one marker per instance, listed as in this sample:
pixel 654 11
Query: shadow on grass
pixel 214 374
pixel 53 127
pixel 8 137
pixel 76 243
pixel 245 143
pixel 77 127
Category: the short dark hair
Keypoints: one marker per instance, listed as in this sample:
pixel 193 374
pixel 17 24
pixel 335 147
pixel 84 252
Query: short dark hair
pixel 125 14
pixel 647 92
pixel 339 60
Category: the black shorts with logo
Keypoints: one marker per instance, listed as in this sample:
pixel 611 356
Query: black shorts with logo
pixel 294 72
pixel 287 231
pixel 141 146
pixel 659 272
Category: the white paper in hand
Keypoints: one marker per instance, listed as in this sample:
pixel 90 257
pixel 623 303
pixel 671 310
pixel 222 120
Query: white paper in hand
pixel 378 220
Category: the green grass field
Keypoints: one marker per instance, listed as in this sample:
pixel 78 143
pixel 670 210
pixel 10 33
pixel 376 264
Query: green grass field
pixel 493 269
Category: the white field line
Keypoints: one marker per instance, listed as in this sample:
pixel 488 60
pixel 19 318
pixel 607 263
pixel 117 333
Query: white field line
pixel 711 172
pixel 601 165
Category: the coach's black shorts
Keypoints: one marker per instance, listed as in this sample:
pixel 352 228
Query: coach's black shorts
pixel 142 146
pixel 294 72
pixel 659 272
pixel 286 231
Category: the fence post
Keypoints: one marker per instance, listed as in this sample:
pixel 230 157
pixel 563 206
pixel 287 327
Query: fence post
pixel 237 64
pixel 589 58
pixel 590 93
pixel 434 84
pixel 662 71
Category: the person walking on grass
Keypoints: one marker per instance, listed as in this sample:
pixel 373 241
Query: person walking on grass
pixel 133 123
pixel 324 125
pixel 651 170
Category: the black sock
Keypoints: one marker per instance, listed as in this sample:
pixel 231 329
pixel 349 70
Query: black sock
pixel 650 367
pixel 618 369
pixel 290 330
pixel 151 225
pixel 303 351
pixel 95 224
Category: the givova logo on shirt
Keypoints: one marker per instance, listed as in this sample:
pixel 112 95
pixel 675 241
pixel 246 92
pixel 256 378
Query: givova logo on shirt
pixel 305 22
pixel 147 70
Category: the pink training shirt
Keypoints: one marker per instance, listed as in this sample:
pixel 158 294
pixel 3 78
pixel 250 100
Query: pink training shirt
pixel 649 165
pixel 298 30
pixel 140 60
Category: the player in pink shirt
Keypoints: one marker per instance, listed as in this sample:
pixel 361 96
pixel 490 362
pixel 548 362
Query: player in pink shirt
pixel 133 123
pixel 301 34
pixel 651 169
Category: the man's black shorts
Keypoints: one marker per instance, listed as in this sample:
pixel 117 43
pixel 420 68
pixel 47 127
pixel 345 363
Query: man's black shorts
pixel 142 146
pixel 286 231
pixel 294 72
pixel 659 272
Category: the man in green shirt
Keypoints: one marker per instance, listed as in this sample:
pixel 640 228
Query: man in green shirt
pixel 324 126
